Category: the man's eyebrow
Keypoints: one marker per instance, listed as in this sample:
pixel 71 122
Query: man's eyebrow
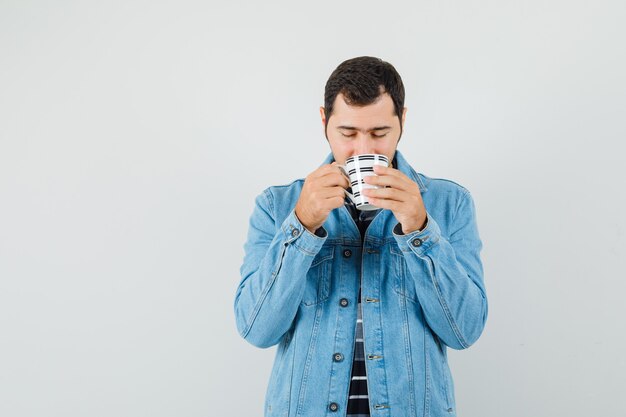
pixel 371 130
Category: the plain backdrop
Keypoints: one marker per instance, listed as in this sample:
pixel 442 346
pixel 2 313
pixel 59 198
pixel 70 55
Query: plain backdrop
pixel 135 135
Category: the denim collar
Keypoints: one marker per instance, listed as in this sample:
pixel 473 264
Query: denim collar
pixel 403 166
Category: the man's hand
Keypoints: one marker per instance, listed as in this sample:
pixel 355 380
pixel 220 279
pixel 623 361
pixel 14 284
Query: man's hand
pixel 402 197
pixel 322 192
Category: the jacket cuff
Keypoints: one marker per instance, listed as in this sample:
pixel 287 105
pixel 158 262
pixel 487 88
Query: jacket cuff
pixel 299 236
pixel 419 241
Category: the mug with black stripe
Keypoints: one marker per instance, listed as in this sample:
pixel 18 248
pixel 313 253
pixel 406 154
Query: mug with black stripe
pixel 358 167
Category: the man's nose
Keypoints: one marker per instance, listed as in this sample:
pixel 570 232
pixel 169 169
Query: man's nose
pixel 363 146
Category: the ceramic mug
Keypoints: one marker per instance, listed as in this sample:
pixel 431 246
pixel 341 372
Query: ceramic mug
pixel 358 167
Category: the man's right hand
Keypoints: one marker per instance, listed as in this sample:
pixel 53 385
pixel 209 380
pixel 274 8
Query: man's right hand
pixel 323 191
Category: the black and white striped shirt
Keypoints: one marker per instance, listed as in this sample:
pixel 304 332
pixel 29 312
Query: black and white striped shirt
pixel 358 399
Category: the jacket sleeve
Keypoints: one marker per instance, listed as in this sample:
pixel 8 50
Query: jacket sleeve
pixel 273 274
pixel 448 275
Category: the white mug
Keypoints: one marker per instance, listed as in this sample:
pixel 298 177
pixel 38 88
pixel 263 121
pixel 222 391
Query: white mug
pixel 358 167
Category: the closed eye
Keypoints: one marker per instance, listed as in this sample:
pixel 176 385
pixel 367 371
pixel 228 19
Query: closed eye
pixel 354 134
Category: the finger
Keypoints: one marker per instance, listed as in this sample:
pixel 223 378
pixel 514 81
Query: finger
pixel 329 193
pixel 384 204
pixel 323 170
pixel 336 202
pixel 333 179
pixel 331 201
pixel 340 169
pixel 383 170
pixel 328 169
pixel 325 178
pixel 387 194
pixel 389 181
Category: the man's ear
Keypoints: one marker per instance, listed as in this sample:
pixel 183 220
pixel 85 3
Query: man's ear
pixel 403 116
pixel 323 115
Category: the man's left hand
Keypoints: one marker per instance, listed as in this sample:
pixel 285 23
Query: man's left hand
pixel 402 196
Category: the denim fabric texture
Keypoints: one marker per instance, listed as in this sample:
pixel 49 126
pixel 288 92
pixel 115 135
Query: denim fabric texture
pixel 421 293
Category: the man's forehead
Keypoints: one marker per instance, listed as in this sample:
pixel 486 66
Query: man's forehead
pixel 365 123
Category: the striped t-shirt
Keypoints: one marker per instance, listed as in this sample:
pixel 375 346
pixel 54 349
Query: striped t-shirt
pixel 358 400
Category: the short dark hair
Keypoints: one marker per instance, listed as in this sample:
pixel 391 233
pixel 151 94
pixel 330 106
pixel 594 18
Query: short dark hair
pixel 360 80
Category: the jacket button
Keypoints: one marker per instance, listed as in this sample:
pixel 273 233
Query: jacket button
pixel 294 232
pixel 417 242
pixel 344 302
pixel 337 357
pixel 333 407
pixel 347 253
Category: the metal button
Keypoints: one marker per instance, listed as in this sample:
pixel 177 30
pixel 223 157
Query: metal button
pixel 337 357
pixel 417 242
pixel 333 407
pixel 295 232
pixel 344 302
pixel 347 253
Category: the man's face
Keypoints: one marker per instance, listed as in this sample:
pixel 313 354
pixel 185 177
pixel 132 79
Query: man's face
pixel 355 130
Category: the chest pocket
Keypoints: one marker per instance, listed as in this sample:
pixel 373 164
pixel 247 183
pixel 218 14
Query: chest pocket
pixel 318 278
pixel 403 283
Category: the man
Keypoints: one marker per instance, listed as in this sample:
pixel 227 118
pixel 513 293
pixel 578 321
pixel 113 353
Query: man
pixel 362 305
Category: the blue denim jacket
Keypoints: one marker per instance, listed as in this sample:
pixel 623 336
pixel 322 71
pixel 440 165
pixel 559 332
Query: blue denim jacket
pixel 421 293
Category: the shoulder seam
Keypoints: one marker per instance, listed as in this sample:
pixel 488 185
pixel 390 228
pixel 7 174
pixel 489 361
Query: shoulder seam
pixel 270 200
pixel 450 181
pixel 269 195
pixel 464 197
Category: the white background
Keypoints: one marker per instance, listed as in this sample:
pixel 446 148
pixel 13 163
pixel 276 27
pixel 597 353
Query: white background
pixel 134 136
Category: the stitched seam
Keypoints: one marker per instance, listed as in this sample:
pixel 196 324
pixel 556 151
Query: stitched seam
pixel 293 366
pixel 449 181
pixel 444 305
pixel 333 369
pixel 403 275
pixel 458 208
pixel 323 278
pixel 382 350
pixel 270 201
pixel 407 351
pixel 309 358
pixel 427 376
pixel 266 290
pixel 302 248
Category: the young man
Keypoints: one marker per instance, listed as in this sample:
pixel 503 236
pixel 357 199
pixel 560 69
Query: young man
pixel 363 304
